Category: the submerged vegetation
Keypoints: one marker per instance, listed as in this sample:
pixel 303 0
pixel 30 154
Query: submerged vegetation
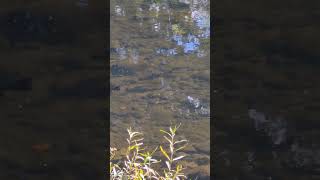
pixel 140 163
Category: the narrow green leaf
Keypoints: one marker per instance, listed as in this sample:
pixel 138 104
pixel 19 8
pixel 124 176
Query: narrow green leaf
pixel 164 153
pixel 168 165
pixel 168 139
pixel 132 147
pixel 180 141
pixel 181 148
pixel 171 130
pixel 154 151
pixel 177 158
pixel 165 132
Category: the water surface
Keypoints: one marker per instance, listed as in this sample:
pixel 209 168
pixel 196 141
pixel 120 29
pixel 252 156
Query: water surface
pixel 160 74
pixel 266 91
pixel 52 92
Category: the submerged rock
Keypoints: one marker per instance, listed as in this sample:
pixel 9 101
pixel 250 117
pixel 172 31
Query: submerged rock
pixel 193 106
pixel 178 5
pixel 115 87
pixel 194 102
pixel 259 119
pixel 304 158
pixel 276 128
pixel 117 70
pixel 166 52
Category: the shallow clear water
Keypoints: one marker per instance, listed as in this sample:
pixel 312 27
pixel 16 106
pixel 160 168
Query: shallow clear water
pixel 160 74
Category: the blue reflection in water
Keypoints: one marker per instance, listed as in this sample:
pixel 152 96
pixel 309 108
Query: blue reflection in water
pixel 190 44
pixel 178 39
pixel 203 22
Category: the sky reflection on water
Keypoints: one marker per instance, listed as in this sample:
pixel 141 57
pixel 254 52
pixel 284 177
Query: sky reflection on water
pixel 187 34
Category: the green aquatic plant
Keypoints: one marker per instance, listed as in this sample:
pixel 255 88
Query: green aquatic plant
pixel 138 163
pixel 177 29
pixel 173 172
